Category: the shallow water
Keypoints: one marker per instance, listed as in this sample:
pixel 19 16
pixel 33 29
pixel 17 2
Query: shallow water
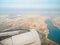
pixel 54 32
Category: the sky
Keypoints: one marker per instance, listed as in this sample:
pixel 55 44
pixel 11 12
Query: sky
pixel 29 3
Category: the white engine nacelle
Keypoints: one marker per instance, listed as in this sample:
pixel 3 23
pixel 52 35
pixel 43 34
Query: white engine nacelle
pixel 28 38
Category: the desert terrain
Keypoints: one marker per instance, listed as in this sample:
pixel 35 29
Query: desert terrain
pixel 28 22
pixel 56 21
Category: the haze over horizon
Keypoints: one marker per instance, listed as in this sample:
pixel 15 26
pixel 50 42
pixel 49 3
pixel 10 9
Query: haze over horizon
pixel 21 6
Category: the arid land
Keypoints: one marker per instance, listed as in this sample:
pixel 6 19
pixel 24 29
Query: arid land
pixel 28 22
pixel 56 22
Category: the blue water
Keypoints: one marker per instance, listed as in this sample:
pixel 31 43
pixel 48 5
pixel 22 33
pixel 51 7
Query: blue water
pixel 54 32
